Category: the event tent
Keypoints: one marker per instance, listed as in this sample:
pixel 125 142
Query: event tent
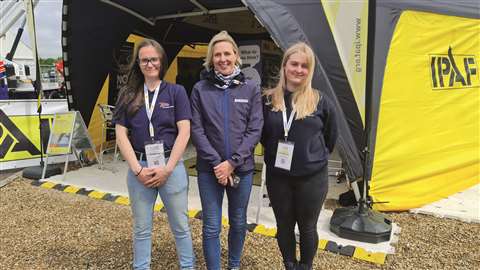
pixel 414 131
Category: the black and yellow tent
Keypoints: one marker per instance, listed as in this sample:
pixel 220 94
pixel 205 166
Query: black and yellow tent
pixel 425 102
pixel 418 120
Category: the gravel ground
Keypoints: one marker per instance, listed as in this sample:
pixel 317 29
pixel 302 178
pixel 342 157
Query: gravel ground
pixel 49 229
pixel 6 173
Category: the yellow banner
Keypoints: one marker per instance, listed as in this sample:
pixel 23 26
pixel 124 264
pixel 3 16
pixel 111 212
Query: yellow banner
pixel 61 134
pixel 348 21
pixel 20 136
pixel 427 145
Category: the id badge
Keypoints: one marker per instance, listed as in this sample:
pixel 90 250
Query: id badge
pixel 155 154
pixel 283 159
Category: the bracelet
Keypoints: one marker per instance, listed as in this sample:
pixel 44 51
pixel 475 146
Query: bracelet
pixel 141 168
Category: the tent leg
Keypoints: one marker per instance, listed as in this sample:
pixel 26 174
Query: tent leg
pixel 355 188
pixel 115 154
pixel 260 195
pixel 44 171
pixel 65 168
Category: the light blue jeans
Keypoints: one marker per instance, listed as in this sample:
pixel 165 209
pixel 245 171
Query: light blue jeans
pixel 211 196
pixel 174 195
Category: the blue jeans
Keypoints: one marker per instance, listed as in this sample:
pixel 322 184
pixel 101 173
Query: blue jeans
pixel 174 195
pixel 211 195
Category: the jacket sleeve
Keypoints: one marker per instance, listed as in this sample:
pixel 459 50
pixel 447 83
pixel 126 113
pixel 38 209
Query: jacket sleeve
pixel 253 132
pixel 330 130
pixel 199 138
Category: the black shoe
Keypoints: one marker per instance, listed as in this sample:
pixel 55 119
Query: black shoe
pixel 302 266
pixel 290 265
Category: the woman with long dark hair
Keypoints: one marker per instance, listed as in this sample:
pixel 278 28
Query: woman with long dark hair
pixel 157 114
pixel 299 134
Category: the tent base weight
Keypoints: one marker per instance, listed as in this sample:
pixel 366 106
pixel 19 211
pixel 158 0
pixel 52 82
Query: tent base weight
pixel 35 173
pixel 361 224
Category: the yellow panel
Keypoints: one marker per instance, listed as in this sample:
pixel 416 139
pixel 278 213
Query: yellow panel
pixel 199 51
pixel 225 222
pixel 322 244
pixel 258 150
pixel 261 229
pixel 96 194
pixel 158 207
pixel 375 257
pixel 348 21
pixel 122 200
pixel 427 145
pixel 71 189
pixel 95 125
pixel 331 8
pixel 48 185
pixel 28 126
pixel 60 134
pixel 192 213
pixel 134 39
pixel 171 75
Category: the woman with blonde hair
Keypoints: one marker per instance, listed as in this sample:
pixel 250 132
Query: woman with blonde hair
pixel 299 134
pixel 226 125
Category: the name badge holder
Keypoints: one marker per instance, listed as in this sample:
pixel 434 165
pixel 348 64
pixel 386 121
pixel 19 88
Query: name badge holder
pixel 283 158
pixel 155 153
pixel 154 149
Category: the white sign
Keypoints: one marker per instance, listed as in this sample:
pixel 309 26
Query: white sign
pixel 250 54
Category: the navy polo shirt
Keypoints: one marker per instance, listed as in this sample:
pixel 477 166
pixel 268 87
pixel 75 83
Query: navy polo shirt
pixel 172 105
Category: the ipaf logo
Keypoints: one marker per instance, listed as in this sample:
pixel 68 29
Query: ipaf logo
pixel 453 71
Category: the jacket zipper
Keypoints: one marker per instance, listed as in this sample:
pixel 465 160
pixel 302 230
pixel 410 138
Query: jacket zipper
pixel 226 119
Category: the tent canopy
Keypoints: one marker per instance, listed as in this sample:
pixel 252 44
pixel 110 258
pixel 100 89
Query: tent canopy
pixel 88 43
pixel 93 29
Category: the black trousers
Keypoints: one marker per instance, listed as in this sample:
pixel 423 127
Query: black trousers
pixel 297 200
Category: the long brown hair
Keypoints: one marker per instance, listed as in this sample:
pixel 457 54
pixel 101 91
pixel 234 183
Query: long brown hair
pixel 130 97
pixel 305 98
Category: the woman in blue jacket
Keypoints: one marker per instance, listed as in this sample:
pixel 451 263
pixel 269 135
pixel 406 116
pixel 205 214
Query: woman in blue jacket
pixel 299 134
pixel 227 122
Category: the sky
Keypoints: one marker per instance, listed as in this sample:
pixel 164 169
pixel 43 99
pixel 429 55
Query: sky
pixel 48 17
pixel 48 24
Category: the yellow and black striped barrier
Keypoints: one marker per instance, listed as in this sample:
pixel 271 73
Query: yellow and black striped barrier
pixel 350 251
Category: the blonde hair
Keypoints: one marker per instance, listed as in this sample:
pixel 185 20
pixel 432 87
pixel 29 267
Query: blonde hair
pixel 305 99
pixel 221 36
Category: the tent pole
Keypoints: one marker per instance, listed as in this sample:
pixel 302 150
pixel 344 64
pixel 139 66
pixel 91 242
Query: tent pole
pixel 368 98
pixel 200 6
pixel 361 223
pixel 37 172
pixel 129 11
pixel 200 13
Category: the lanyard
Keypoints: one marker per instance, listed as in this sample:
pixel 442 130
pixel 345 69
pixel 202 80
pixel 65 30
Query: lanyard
pixel 150 107
pixel 287 125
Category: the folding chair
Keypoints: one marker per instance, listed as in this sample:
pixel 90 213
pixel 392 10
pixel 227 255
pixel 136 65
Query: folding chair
pixel 106 111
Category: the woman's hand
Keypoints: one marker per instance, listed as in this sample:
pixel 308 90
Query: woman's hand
pixel 145 174
pixel 160 176
pixel 223 182
pixel 223 171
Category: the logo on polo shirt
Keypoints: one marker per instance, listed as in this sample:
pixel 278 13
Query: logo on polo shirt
pixel 165 105
pixel 453 71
